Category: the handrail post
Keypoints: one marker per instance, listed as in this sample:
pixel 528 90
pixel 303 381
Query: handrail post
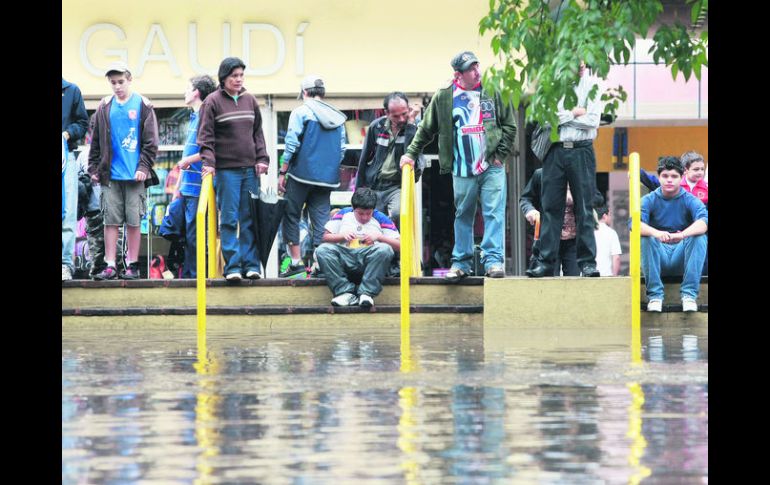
pixel 206 194
pixel 407 239
pixel 635 237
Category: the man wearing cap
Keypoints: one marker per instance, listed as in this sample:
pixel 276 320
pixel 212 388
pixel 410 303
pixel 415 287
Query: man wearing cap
pixel 315 146
pixel 74 122
pixel 232 147
pixel 123 150
pixel 386 140
pixel 475 135
pixel 571 160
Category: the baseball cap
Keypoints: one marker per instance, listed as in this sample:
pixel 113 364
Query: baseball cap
pixel 309 82
pixel 117 66
pixel 462 61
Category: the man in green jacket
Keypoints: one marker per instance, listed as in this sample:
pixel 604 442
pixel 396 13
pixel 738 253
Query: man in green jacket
pixel 475 135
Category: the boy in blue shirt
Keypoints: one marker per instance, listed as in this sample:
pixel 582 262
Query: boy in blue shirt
pixel 673 227
pixel 190 182
pixel 123 150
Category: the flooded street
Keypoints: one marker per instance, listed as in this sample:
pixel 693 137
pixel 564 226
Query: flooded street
pixel 352 404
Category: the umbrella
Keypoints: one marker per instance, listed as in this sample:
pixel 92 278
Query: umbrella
pixel 536 244
pixel 267 211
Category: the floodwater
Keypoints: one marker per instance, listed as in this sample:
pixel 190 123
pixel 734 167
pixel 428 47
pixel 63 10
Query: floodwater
pixel 338 405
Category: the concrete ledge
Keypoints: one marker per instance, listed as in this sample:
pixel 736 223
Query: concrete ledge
pixel 557 302
pixel 266 322
pixel 317 293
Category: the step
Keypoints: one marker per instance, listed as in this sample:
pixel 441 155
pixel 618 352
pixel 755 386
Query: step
pixel 82 294
pixel 269 310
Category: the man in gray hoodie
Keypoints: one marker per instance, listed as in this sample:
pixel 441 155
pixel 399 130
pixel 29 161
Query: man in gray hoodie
pixel 315 146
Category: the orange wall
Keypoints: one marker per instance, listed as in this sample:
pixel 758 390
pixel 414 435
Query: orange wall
pixel 651 143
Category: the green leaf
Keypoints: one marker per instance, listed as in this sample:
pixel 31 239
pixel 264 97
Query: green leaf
pixel 674 71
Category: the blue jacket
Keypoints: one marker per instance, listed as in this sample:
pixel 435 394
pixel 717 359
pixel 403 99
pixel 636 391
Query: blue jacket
pixel 74 117
pixel 675 214
pixel 315 144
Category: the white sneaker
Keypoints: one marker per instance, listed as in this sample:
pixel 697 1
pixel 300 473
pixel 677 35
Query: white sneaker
pixel 689 305
pixel 253 275
pixel 233 277
pixel 66 274
pixel 655 306
pixel 345 299
pixel 365 301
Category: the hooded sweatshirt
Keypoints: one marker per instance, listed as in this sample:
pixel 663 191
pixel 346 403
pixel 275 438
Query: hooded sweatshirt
pixel 74 117
pixel 315 143
pixel 675 214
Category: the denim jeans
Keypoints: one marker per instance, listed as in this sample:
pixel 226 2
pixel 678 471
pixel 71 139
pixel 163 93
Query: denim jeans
pixel 318 207
pixel 489 187
pixel 236 229
pixel 70 222
pixel 662 259
pixel 190 255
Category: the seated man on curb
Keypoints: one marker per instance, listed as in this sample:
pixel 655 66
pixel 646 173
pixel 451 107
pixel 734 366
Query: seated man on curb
pixel 673 227
pixel 358 244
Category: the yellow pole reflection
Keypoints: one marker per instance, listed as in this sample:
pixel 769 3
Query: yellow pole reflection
pixel 207 403
pixel 407 425
pixel 639 444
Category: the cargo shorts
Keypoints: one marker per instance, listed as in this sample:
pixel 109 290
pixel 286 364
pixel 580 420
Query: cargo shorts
pixel 123 202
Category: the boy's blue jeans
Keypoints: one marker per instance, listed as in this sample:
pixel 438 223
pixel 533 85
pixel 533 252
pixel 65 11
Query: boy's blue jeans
pixel 682 259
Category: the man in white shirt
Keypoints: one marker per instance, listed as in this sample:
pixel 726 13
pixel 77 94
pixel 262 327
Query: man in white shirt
pixel 358 243
pixel 571 160
pixel 607 245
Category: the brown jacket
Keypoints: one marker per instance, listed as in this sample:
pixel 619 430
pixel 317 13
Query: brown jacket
pixel 100 156
pixel 230 132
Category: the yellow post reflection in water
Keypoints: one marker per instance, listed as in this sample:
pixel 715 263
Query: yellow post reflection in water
pixel 407 400
pixel 634 197
pixel 206 405
pixel 639 444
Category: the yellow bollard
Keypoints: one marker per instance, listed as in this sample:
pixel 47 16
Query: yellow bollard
pixel 634 198
pixel 407 238
pixel 206 196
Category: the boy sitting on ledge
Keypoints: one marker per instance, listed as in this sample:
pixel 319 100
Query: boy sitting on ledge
pixel 358 244
pixel 673 227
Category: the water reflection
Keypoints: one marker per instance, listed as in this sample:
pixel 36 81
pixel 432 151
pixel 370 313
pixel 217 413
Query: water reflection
pixel 353 405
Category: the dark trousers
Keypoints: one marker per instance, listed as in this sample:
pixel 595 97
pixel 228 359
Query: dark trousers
pixel 578 167
pixel 318 207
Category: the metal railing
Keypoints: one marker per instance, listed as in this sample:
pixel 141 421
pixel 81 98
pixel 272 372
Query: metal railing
pixel 410 260
pixel 206 201
pixel 635 239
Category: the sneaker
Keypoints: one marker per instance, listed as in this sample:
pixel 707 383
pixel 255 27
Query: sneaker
pixel 109 273
pixel 590 271
pixel 131 273
pixel 345 299
pixel 366 301
pixel 294 271
pixel 233 277
pixel 495 272
pixel 253 275
pixel 689 304
pixel 655 306
pixel 455 274
pixel 66 273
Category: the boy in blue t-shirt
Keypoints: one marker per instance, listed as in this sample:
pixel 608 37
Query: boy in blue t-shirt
pixel 123 150
pixel 190 182
pixel 673 228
